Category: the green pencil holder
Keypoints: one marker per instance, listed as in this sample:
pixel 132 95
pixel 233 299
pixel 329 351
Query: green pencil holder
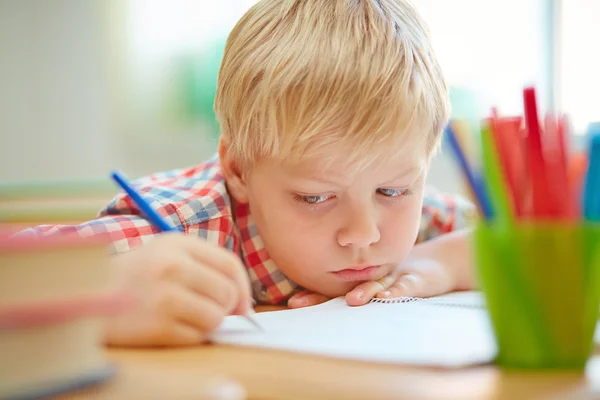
pixel 541 288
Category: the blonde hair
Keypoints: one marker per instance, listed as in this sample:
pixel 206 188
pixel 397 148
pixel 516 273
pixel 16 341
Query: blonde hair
pixel 300 75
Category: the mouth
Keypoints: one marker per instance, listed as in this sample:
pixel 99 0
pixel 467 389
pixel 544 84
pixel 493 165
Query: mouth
pixel 358 273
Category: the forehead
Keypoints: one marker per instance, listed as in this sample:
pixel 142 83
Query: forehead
pixel 341 165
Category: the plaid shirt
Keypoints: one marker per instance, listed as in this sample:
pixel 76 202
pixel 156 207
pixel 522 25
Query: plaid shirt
pixel 196 202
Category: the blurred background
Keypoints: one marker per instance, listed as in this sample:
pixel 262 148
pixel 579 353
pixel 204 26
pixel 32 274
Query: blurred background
pixel 91 85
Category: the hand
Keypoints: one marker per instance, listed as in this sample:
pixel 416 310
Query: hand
pixel 414 278
pixel 182 288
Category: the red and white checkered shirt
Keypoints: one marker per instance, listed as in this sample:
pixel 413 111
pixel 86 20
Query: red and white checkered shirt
pixel 195 201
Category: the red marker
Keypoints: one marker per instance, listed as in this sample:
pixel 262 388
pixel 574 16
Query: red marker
pixel 541 197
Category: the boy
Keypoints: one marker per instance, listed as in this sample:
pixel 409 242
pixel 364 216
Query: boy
pixel 330 112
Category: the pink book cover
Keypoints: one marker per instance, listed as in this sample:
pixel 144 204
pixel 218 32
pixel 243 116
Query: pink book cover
pixel 25 242
pixel 33 315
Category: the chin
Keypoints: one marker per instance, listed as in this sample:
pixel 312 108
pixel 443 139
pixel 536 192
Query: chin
pixel 334 290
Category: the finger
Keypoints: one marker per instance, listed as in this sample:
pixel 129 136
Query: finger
pixel 302 293
pixel 195 310
pixel 210 283
pixel 180 334
pixel 364 292
pixel 311 299
pixel 226 263
pixel 409 285
pixel 244 307
pixel 298 295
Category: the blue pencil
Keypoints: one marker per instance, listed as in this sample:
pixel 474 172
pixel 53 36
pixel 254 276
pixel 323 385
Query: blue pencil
pixel 474 182
pixel 152 215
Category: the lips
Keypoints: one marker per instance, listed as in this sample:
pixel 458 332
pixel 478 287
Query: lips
pixel 360 267
pixel 358 273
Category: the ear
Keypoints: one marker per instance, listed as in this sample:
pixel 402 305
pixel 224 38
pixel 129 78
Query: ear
pixel 236 183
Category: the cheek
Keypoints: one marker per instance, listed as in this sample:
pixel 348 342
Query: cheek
pixel 400 225
pixel 288 232
pixel 299 236
pixel 282 218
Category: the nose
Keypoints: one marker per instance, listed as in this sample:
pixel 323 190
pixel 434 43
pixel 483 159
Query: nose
pixel 360 229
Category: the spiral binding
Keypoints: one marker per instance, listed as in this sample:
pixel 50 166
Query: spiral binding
pixel 426 301
pixel 395 300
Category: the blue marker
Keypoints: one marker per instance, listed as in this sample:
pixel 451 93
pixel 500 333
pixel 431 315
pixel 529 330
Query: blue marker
pixel 591 190
pixel 474 181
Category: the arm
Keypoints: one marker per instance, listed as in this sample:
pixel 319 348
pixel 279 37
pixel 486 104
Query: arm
pixel 454 251
pixel 124 232
pixel 120 221
pixel 181 287
pixel 445 237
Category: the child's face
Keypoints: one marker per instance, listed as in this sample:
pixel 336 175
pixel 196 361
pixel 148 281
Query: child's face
pixel 329 230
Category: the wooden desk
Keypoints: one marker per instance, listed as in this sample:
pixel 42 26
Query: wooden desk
pixel 278 375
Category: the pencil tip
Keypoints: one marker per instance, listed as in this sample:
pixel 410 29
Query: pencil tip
pixel 253 322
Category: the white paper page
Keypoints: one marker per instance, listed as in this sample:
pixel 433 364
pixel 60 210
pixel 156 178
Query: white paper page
pixel 446 331
pixel 467 299
pixel 415 333
pixel 475 299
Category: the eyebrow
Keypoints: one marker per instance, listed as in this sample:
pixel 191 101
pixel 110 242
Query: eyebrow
pixel 321 180
pixel 407 172
pixel 341 182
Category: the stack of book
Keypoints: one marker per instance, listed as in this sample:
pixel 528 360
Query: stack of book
pixel 55 296
pixel 24 204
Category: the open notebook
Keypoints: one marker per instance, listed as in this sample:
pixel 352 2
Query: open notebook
pixel 451 330
pixel 445 331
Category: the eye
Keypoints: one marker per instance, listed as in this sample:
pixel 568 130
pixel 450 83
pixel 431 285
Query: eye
pixel 312 199
pixel 393 192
